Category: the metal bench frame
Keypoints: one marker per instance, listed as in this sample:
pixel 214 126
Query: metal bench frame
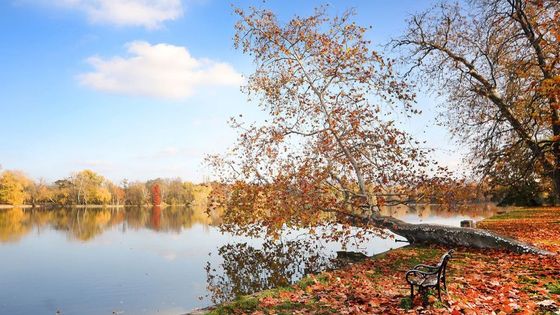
pixel 421 273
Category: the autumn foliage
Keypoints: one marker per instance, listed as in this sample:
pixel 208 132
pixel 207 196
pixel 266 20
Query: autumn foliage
pixel 156 195
pixel 13 188
pixel 329 150
pixel 497 62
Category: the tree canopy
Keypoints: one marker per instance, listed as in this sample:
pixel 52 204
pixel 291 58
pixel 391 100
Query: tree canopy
pixel 13 187
pixel 498 64
pixel 329 150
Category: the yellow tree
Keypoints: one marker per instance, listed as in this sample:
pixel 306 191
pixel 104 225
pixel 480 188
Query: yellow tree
pixel 136 194
pixel 62 192
pixel 88 188
pixel 13 188
pixel 39 192
pixel 117 193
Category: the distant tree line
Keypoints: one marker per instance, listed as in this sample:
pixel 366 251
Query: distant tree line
pixel 89 188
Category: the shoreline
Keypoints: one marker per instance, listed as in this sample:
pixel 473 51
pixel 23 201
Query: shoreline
pixel 210 308
pixel 52 206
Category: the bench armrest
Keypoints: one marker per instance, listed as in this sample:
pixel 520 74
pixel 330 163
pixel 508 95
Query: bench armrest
pixel 417 273
pixel 428 267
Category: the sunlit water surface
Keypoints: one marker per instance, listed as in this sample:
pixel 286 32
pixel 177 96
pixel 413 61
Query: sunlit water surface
pixel 153 261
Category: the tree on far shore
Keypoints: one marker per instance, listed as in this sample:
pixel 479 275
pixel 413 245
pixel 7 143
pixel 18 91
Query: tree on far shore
pixel 13 188
pixel 156 194
pixel 87 187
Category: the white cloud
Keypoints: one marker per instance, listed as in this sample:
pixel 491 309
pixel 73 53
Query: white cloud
pixel 161 71
pixel 147 13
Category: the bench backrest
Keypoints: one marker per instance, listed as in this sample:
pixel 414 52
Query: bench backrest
pixel 443 262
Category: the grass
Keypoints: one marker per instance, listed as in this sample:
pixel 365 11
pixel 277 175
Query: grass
pixel 553 287
pixel 514 214
pixel 241 304
pixel 528 280
pixel 250 303
pixel 439 304
pixel 406 303
pixel 310 280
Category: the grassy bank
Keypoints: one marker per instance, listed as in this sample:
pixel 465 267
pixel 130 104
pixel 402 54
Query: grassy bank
pixel 479 281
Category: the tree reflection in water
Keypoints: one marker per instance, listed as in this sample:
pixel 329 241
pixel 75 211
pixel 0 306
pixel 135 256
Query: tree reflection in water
pixel 240 268
pixel 245 269
pixel 84 224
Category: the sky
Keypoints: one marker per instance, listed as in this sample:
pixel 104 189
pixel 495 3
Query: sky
pixel 141 89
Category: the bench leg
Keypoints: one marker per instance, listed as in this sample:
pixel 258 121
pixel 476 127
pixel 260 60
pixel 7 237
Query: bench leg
pixel 412 292
pixel 424 294
pixel 439 293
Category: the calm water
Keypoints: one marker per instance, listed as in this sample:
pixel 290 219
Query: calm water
pixel 152 261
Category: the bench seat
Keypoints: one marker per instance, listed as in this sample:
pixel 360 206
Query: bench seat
pixel 426 276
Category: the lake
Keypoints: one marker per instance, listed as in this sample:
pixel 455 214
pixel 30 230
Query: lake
pixel 155 261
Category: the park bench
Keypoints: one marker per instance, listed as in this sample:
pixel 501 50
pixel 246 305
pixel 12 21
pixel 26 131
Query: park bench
pixel 426 277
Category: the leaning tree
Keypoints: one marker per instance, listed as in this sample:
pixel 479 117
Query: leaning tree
pixel 498 64
pixel 327 152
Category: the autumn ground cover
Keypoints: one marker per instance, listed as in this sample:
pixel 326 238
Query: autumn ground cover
pixel 479 281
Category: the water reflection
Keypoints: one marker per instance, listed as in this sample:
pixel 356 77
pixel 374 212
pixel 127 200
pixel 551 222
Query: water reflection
pixel 14 224
pixel 424 211
pixel 246 269
pixel 153 260
pixel 85 224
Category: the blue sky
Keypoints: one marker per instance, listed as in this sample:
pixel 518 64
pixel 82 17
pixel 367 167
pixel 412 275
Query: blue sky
pixel 140 89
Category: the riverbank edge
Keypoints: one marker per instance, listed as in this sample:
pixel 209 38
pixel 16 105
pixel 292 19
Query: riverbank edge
pixel 243 299
pixel 248 302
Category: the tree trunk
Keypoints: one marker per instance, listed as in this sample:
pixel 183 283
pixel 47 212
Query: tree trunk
pixel 454 236
pixel 556 186
pixel 556 152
